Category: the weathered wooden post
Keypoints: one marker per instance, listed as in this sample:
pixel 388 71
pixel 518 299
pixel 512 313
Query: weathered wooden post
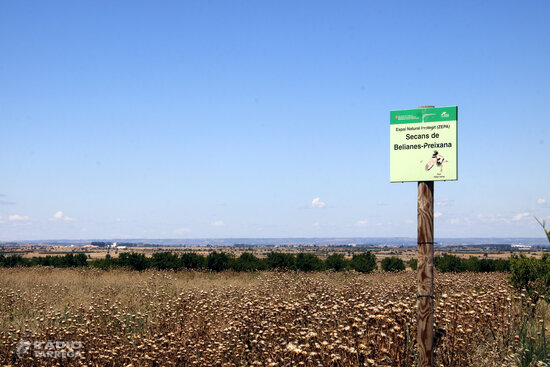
pixel 425 273
pixel 423 149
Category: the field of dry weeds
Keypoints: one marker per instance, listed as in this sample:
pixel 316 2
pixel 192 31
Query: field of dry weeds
pixel 128 318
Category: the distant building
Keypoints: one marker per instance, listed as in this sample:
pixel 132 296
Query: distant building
pixel 90 246
pixel 521 246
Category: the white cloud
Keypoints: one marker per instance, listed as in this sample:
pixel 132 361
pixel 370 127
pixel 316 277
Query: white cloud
pixel 437 214
pixel 317 203
pixel 381 203
pixel 181 230
pixel 488 218
pixel 317 224
pixel 454 221
pixel 118 220
pixel 59 216
pixel 444 202
pixel 408 221
pixel 217 223
pixel 362 223
pixel 541 201
pixel 17 217
pixel 520 216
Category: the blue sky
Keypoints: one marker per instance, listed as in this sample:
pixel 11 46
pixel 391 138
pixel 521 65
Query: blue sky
pixel 187 119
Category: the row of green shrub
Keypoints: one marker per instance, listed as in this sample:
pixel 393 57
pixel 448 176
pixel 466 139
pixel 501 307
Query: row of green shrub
pixel 218 261
pixel 452 263
pixel 531 275
pixel 66 261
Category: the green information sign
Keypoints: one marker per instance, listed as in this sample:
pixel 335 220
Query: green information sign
pixel 423 144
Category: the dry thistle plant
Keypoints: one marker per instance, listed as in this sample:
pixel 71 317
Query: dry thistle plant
pixel 126 318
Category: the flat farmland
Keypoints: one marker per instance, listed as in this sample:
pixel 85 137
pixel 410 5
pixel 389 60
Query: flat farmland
pixel 129 318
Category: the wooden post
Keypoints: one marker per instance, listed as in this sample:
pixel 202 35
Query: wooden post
pixel 424 277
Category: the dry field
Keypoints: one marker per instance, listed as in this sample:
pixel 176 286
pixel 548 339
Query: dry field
pixel 127 318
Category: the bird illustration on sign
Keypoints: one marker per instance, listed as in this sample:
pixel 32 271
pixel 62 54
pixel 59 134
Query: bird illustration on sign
pixel 436 160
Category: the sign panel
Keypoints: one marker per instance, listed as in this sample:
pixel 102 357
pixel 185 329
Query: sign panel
pixel 423 144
